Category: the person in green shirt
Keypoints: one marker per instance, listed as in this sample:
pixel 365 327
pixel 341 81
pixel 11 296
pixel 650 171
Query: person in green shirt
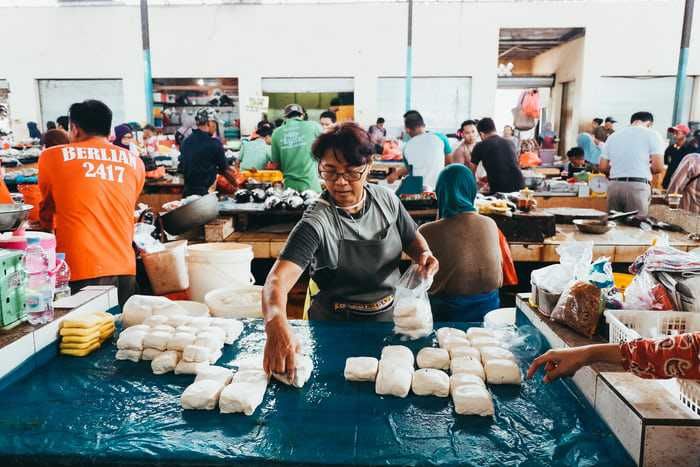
pixel 291 150
pixel 256 153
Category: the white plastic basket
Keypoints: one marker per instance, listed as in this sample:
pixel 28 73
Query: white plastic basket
pixel 627 325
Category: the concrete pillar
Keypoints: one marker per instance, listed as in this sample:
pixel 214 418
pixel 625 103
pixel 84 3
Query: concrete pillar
pixel 249 85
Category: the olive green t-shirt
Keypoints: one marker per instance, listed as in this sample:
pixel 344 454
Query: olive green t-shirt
pixel 291 150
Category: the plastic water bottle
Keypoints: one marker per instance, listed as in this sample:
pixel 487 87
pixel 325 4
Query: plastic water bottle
pixel 38 291
pixel 62 277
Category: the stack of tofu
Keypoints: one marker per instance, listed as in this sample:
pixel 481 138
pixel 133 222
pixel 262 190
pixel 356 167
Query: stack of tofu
pixel 83 335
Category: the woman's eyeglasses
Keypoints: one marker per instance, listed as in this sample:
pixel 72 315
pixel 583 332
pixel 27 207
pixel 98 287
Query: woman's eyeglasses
pixel 350 175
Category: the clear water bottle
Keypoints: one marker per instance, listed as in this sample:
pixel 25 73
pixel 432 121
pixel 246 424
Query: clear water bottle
pixel 62 277
pixel 38 290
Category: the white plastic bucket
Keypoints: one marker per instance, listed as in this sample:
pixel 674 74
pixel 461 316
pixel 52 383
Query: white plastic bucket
pixel 235 302
pixel 167 270
pixel 218 265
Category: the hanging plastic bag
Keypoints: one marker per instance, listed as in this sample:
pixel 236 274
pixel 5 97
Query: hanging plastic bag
pixel 580 308
pixel 510 276
pixel 531 104
pixel 413 316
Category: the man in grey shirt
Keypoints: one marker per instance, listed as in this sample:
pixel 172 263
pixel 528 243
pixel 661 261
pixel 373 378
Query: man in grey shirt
pixel 631 156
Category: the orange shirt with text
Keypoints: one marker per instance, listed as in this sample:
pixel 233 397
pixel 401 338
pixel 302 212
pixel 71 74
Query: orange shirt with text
pixel 90 190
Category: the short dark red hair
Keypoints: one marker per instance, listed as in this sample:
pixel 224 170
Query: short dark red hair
pixel 348 140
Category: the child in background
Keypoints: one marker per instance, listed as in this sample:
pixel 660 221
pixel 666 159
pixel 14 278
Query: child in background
pixel 577 162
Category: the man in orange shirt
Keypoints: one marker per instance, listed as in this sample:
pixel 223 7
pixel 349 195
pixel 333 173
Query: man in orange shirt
pixel 90 187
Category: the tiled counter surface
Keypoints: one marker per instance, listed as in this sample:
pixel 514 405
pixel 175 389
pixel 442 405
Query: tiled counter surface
pixel 647 416
pixel 21 346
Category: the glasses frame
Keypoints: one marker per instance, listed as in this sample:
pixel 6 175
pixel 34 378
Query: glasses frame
pixel 345 175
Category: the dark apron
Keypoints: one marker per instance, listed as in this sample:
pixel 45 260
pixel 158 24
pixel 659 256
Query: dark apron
pixel 367 272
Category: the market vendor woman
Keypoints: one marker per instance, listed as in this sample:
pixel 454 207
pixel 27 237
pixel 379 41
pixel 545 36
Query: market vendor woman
pixel 351 238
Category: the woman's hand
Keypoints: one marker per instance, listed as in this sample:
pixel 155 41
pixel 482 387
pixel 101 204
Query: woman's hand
pixel 428 265
pixel 281 347
pixel 559 363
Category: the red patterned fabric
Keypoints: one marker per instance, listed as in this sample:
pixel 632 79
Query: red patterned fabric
pixel 667 357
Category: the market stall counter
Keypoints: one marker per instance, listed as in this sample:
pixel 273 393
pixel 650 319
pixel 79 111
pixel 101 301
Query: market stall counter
pixel 647 416
pixel 621 244
pixel 101 411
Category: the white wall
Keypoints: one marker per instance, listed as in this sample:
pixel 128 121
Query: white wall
pixel 363 41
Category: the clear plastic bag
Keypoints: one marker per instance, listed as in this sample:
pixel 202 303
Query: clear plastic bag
pixel 574 263
pixel 645 293
pixel 580 308
pixel 413 316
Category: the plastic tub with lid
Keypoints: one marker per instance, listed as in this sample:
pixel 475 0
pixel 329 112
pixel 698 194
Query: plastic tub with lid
pixel 235 302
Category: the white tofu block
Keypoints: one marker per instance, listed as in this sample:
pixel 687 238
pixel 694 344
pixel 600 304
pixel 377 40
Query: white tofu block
pixel 216 373
pixel 201 395
pixel 128 354
pixel 215 356
pixel 200 323
pixel 399 353
pixel 449 342
pixel 431 357
pixel 485 341
pixel 156 340
pixel 502 372
pixel 465 351
pixel 155 320
pixel 136 328
pixel 180 340
pixel 465 379
pixel 442 333
pixel 472 400
pixel 233 328
pixel 189 368
pixel 304 367
pixel 210 340
pixel 361 368
pixel 242 397
pixel 178 320
pixel 496 353
pixel 196 353
pixel 430 382
pixel 251 376
pixel 165 362
pixel 479 332
pixel 186 328
pixel 131 340
pixel 467 365
pixel 213 330
pixel 164 328
pixel 150 354
pixel 393 379
pixel 249 362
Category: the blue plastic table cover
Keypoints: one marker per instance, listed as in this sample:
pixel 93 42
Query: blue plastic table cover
pixel 100 411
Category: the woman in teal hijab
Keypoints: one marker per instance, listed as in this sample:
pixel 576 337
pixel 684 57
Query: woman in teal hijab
pixel 466 287
pixel 591 150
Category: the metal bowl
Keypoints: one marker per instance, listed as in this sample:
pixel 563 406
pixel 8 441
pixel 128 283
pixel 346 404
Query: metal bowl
pixel 12 215
pixel 191 215
pixel 533 180
pixel 592 226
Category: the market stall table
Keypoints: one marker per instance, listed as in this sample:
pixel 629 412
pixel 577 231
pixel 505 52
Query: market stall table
pixel 158 192
pixel 647 416
pixel 98 410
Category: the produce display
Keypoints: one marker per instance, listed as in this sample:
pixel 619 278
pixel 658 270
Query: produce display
pixel 275 197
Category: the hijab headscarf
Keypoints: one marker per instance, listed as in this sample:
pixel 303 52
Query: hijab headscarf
pixel 590 150
pixel 455 191
pixel 119 132
pixel 34 132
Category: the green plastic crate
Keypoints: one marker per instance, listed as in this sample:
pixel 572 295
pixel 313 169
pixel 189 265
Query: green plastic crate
pixel 12 281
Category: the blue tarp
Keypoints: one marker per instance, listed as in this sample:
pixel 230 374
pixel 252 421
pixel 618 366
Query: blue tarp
pixel 97 410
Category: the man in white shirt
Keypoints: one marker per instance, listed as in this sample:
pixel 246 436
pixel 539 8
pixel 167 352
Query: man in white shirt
pixel 631 156
pixel 424 152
